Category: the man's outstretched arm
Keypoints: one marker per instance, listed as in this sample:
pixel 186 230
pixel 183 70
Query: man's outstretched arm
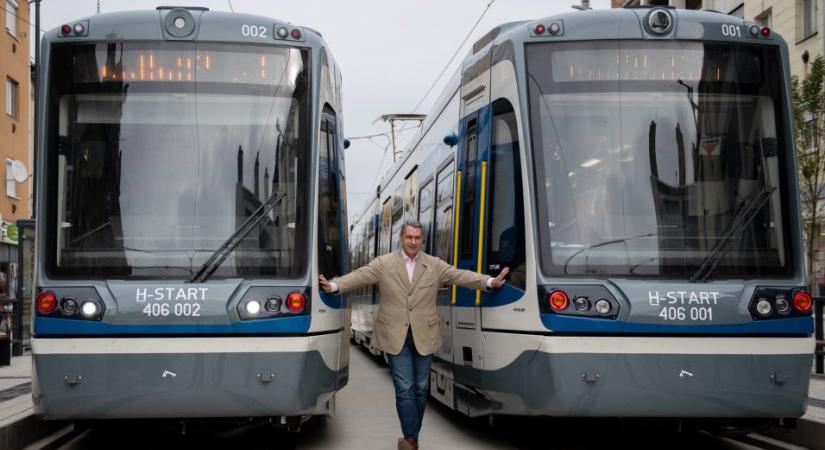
pixel 472 280
pixel 363 276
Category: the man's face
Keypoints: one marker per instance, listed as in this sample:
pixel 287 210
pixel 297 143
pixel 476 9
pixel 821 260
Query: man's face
pixel 411 240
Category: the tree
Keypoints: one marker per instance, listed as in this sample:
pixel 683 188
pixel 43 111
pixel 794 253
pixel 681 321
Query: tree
pixel 809 119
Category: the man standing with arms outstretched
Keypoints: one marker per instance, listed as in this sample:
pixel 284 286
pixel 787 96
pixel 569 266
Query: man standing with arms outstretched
pixel 407 325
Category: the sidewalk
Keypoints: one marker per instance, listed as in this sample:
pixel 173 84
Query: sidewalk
pixel 15 390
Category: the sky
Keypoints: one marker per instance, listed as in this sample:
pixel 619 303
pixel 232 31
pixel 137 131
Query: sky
pixel 390 53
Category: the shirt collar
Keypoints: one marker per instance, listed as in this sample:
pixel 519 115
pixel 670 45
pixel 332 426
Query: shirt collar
pixel 407 258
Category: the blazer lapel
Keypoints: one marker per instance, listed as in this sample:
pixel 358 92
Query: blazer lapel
pixel 418 272
pixel 402 270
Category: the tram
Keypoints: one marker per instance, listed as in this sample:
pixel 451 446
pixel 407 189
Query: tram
pixel 192 187
pixel 635 169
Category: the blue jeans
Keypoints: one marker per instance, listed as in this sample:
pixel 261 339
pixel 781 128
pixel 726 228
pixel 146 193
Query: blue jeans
pixel 410 375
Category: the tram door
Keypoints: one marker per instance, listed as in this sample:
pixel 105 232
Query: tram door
pixel 470 187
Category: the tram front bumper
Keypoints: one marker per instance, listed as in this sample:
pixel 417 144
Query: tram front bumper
pixel 654 377
pixel 109 378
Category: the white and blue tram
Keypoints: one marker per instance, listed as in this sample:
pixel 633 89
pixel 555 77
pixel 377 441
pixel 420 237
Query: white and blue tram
pixel 191 189
pixel 635 169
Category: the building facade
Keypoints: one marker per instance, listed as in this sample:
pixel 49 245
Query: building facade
pixel 15 151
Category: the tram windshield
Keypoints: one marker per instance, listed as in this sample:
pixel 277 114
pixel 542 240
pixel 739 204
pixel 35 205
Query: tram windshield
pixel 660 158
pixel 158 152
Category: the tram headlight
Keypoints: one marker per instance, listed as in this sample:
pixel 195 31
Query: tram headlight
pixel 253 307
pixel 69 305
pixel 782 305
pixel 283 33
pixel 78 28
pixel 89 309
pixel 763 307
pixel 273 304
pixel 603 307
pixel 581 303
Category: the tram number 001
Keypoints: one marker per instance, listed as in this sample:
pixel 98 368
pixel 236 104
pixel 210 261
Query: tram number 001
pixel 176 309
pixel 701 314
pixel 731 30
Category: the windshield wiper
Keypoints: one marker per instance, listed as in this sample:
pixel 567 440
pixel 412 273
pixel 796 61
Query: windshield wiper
pixel 741 219
pixel 220 255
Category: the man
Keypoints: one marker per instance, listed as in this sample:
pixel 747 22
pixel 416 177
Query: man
pixel 407 325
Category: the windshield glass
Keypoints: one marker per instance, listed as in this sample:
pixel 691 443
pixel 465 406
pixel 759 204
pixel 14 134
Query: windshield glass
pixel 158 152
pixel 649 156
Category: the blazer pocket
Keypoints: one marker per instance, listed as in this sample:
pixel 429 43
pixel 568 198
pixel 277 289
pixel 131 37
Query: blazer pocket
pixel 432 321
pixel 384 320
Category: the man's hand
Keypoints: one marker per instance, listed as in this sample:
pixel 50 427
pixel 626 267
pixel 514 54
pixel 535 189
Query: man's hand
pixel 325 285
pixel 499 281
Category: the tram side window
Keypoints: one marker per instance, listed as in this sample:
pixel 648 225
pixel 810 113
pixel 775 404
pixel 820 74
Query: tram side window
pixel 385 230
pixel 397 219
pixel 329 226
pixel 443 232
pixel 468 195
pixel 505 240
pixel 425 214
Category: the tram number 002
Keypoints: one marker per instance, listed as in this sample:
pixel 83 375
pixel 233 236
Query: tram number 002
pixel 253 31
pixel 701 314
pixel 176 309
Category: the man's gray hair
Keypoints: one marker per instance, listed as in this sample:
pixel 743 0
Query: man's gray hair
pixel 413 224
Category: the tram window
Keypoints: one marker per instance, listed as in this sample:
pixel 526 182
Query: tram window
pixel 443 232
pixel 505 239
pixel 468 197
pixel 384 236
pixel 397 219
pixel 329 226
pixel 425 213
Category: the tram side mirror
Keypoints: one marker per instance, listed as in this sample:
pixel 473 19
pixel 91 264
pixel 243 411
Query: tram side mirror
pixel 451 139
pixel 346 144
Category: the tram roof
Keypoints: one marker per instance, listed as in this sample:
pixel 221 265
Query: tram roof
pixel 215 26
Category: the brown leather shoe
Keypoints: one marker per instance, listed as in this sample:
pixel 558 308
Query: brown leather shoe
pixel 407 444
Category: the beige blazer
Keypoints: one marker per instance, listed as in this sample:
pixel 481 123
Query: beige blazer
pixel 403 305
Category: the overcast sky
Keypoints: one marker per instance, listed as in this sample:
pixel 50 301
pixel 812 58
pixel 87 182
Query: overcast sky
pixel 390 53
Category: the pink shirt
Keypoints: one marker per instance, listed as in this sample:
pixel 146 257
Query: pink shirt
pixel 410 263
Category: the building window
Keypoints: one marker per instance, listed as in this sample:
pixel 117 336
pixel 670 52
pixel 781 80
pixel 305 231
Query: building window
pixel 11 97
pixel 11 186
pixel 764 19
pixel 11 17
pixel 806 13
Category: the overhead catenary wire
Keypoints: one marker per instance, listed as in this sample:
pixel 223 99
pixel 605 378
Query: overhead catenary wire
pixel 460 46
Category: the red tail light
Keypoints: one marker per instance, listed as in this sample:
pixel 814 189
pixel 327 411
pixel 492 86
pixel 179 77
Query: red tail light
pixel 539 29
pixel 558 300
pixel 46 302
pixel 766 31
pixel 802 301
pixel 296 302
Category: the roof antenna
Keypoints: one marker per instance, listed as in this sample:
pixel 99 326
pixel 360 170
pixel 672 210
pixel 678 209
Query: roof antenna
pixel 230 5
pixel 98 6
